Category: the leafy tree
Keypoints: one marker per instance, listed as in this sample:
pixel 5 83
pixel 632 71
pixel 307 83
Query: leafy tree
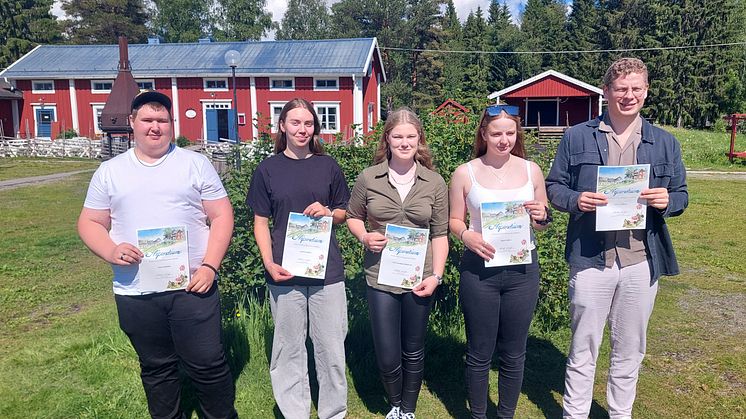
pixel 305 19
pixel 181 20
pixel 23 25
pixel 241 20
pixel 96 22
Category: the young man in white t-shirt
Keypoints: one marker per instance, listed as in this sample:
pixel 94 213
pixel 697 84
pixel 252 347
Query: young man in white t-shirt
pixel 153 185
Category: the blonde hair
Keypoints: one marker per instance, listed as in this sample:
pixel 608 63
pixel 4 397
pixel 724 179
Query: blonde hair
pixel 398 117
pixel 623 67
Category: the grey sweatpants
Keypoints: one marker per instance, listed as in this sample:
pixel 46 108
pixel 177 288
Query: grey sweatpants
pixel 298 311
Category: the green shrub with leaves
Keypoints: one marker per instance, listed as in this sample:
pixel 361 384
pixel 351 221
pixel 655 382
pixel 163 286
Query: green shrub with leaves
pixel 68 133
pixel 182 141
pixel 451 144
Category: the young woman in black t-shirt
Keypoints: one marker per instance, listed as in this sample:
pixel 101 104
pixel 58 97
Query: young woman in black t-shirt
pixel 301 178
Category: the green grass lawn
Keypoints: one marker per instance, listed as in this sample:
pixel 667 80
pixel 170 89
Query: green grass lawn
pixel 18 167
pixel 62 354
pixel 705 150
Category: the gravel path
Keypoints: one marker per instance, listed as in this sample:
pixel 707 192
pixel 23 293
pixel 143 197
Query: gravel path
pixel 35 180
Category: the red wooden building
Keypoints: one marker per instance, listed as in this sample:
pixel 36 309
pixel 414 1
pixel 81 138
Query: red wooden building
pixel 552 99
pixel 66 86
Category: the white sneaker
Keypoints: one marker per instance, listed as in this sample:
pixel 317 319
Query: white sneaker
pixel 408 415
pixel 394 413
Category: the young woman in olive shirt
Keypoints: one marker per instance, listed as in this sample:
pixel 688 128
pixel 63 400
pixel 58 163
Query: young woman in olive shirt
pixel 400 188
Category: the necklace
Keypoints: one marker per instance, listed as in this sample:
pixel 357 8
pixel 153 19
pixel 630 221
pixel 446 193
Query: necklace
pixel 393 179
pixel 157 162
pixel 492 169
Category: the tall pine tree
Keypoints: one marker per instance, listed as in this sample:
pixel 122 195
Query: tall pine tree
pixel 23 25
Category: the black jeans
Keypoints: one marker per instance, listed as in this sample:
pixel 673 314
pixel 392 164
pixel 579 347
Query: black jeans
pixel 498 305
pixel 399 325
pixel 171 327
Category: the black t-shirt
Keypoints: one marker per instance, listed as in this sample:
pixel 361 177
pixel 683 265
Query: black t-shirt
pixel 282 185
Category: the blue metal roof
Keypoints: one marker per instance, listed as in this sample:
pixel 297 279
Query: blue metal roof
pixel 313 57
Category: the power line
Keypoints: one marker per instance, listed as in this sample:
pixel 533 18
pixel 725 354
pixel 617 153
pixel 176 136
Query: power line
pixel 590 51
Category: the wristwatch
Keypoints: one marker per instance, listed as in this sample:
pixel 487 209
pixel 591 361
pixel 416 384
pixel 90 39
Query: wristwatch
pixel 439 278
pixel 547 220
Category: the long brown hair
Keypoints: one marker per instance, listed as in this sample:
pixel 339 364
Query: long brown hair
pixel 281 141
pixel 401 116
pixel 480 144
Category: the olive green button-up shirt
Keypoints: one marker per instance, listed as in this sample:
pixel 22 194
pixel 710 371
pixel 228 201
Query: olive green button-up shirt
pixel 375 200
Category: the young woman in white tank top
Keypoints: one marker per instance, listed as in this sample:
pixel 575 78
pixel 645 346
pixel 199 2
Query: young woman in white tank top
pixel 497 302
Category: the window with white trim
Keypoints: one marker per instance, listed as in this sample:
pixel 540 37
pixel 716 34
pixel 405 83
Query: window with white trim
pixel 101 86
pixel 42 86
pixel 97 109
pixel 275 111
pixel 326 84
pixel 282 84
pixel 215 85
pixel 328 116
pixel 146 84
pixel 371 109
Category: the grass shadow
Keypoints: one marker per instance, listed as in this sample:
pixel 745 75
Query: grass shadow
pixel 361 358
pixel 544 375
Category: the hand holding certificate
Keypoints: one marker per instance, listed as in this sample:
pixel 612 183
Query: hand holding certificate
pixel 403 258
pixel 507 227
pixel 165 264
pixel 306 248
pixel 622 186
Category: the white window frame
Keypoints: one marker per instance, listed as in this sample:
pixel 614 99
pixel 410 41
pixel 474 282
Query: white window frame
pixel 214 89
pixel 275 123
pixel 35 90
pixel 151 81
pixel 94 107
pixel 93 86
pixel 282 89
pixel 326 88
pixel 371 113
pixel 335 106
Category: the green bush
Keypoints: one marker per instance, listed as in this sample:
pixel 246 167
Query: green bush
pixel 69 133
pixel 182 141
pixel 242 271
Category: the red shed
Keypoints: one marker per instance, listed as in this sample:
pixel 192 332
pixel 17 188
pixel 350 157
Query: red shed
pixel 552 99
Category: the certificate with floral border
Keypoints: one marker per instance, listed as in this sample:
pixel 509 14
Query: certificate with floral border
pixel 507 227
pixel 622 186
pixel 306 248
pixel 403 258
pixel 165 264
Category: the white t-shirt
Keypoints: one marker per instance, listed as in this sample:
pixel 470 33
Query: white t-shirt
pixel 167 193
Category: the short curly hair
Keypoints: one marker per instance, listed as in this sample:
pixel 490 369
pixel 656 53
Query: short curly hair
pixel 623 67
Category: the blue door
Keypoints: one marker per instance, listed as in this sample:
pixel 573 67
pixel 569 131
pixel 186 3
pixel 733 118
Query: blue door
pixel 44 118
pixel 211 118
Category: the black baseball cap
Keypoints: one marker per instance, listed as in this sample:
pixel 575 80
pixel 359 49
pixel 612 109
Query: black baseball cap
pixel 151 96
